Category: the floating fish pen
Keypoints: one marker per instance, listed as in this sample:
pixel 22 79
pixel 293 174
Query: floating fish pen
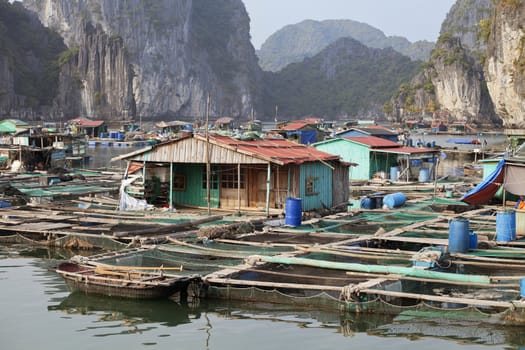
pixel 409 269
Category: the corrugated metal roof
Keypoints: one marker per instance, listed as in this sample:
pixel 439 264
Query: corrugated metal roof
pixel 227 150
pixel 295 125
pixel 375 130
pixel 373 142
pixel 408 150
pixel 280 150
pixel 86 122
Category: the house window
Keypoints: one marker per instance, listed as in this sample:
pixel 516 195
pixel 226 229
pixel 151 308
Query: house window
pixel 229 178
pixel 179 182
pixel 310 186
pixel 214 178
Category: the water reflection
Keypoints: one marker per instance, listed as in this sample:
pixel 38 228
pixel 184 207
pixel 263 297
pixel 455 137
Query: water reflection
pixel 119 316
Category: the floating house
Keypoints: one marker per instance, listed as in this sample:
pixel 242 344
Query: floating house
pixel 370 130
pixel 377 157
pixel 303 131
pixel 86 126
pixel 224 123
pixel 253 174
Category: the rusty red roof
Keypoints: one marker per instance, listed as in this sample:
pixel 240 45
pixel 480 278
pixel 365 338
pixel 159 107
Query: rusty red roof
pixel 373 141
pixel 280 150
pixel 296 125
pixel 86 122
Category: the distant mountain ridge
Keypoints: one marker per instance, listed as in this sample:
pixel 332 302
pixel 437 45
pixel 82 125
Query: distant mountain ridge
pixel 345 79
pixel 295 42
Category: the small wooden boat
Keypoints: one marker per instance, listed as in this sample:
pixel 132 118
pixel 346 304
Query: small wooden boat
pixel 121 281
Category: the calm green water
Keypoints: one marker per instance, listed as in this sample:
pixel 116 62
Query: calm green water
pixel 38 312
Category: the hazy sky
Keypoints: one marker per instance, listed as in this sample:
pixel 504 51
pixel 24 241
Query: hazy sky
pixel 413 19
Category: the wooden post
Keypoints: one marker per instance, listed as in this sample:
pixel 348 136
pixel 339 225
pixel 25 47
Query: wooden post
pixel 436 163
pixel 408 168
pixel 268 177
pixel 289 181
pixel 277 192
pixel 208 166
pixel 239 187
pixel 503 186
pixel 171 187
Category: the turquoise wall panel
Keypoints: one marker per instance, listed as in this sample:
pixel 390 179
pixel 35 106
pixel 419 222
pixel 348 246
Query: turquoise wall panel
pixel 315 186
pixel 349 152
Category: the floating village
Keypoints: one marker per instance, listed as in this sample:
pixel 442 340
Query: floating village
pixel 349 217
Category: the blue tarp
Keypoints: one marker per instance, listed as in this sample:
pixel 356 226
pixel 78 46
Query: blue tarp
pixel 460 141
pixel 308 137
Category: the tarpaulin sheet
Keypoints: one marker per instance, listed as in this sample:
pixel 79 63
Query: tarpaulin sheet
pixel 514 179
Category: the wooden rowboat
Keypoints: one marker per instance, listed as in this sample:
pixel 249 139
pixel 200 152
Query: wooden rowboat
pixel 122 282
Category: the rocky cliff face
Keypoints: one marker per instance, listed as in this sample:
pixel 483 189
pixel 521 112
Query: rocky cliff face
pixel 28 72
pixel 505 63
pixel 153 58
pixel 457 79
pixel 453 79
pixel 466 20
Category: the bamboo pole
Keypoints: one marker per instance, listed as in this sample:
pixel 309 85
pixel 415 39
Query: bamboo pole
pixel 138 268
pixel 228 281
pixel 427 297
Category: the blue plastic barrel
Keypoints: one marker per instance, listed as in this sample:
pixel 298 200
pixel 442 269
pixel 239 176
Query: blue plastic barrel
pixel 293 211
pixel 394 171
pixel 121 136
pixel 424 175
pixel 368 203
pixel 522 287
pixel 505 226
pixel 103 135
pixel 458 236
pixel 113 134
pixel 394 200
pixel 473 240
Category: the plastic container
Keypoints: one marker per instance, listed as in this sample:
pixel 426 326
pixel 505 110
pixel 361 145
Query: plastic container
pixel 368 203
pixel 522 287
pixel 424 175
pixel 505 226
pixel 293 211
pixel 458 236
pixel 394 200
pixel 473 240
pixel 394 173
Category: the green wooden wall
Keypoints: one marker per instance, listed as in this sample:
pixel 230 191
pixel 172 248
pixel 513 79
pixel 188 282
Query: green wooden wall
pixel 195 191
